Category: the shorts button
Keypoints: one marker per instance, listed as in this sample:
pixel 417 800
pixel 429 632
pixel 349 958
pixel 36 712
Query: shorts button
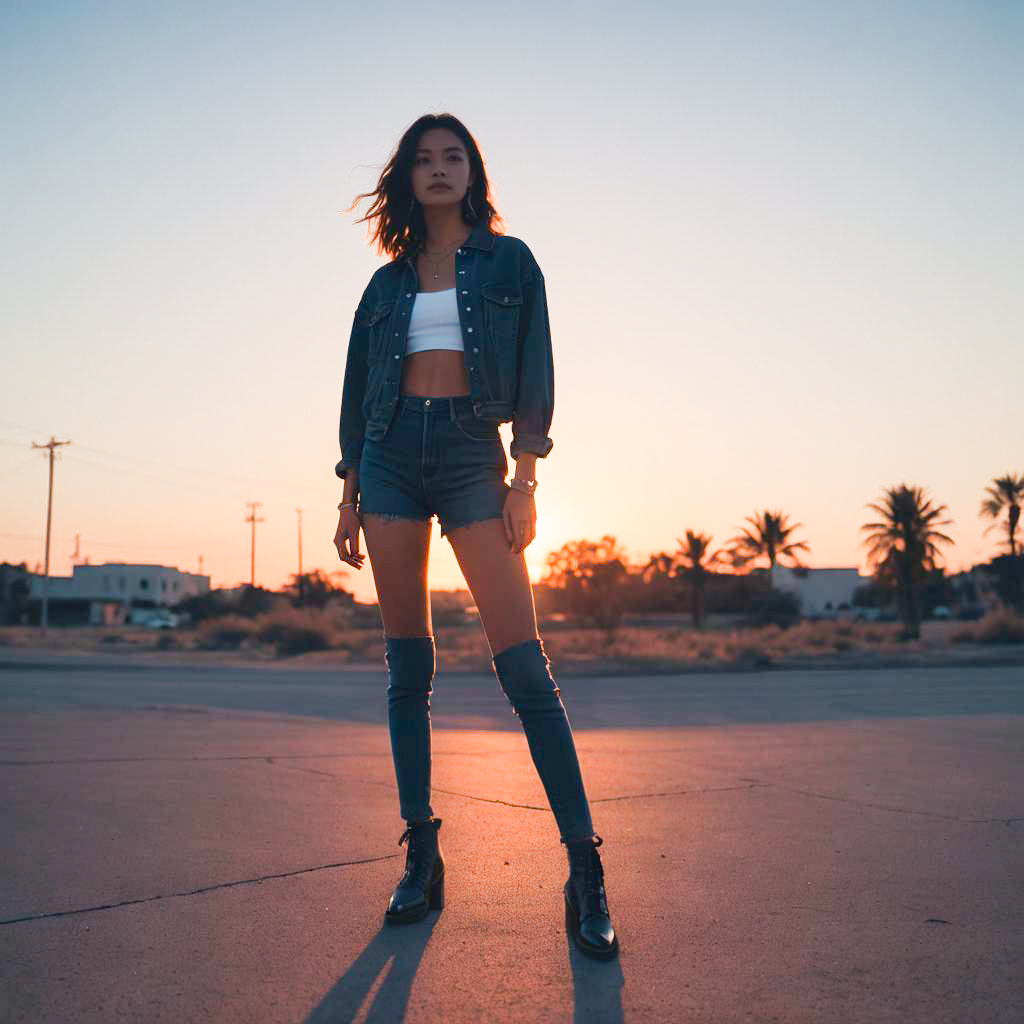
pixel 426 401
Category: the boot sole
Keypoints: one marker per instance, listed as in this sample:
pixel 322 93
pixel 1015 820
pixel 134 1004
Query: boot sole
pixel 435 901
pixel 572 924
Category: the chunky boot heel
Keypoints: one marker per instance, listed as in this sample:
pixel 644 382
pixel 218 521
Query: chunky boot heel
pixel 437 894
pixel 421 887
pixel 586 903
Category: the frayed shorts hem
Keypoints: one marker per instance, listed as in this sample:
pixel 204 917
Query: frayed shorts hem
pixel 446 528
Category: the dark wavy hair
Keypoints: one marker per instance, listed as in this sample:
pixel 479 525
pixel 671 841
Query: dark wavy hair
pixel 400 228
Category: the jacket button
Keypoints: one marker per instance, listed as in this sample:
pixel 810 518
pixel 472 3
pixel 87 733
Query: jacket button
pixel 408 295
pixel 475 349
pixel 396 357
pixel 464 292
pixel 469 309
pixel 506 298
pixel 459 251
pixel 470 329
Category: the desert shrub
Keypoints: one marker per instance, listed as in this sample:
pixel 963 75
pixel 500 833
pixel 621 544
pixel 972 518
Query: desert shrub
pixel 294 638
pixel 751 654
pixel 298 630
pixel 200 607
pixel 1002 626
pixel 226 633
pixel 773 608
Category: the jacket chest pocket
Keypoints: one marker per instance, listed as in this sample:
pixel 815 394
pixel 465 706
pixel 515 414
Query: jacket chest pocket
pixel 501 304
pixel 377 324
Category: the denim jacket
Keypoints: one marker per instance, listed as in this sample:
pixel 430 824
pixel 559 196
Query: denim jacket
pixel 506 337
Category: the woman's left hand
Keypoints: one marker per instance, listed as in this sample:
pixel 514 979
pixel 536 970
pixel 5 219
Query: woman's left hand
pixel 520 518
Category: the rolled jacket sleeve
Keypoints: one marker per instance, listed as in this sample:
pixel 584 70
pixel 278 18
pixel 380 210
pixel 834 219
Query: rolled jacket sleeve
pixel 352 425
pixel 535 397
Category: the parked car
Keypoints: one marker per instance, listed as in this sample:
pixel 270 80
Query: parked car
pixel 159 618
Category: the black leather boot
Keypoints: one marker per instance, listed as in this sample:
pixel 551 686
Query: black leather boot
pixel 586 903
pixel 422 885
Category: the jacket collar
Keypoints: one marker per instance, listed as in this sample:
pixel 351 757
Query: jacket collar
pixel 481 237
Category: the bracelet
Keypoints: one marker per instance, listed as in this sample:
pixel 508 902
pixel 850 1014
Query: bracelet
pixel 346 504
pixel 526 486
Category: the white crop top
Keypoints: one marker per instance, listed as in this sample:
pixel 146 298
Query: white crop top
pixel 434 322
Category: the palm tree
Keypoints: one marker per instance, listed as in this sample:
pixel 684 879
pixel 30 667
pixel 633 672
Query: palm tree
pixel 769 537
pixel 694 562
pixel 1006 492
pixel 903 546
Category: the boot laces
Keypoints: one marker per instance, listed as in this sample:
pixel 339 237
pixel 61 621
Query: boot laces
pixel 416 867
pixel 593 876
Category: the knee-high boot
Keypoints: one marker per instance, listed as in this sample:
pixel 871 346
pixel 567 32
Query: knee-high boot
pixel 524 673
pixel 411 664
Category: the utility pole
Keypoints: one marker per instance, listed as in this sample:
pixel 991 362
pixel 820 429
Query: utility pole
pixel 52 445
pixel 254 519
pixel 302 587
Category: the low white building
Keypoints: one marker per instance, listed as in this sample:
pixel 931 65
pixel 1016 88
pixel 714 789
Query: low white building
pixel 104 593
pixel 819 591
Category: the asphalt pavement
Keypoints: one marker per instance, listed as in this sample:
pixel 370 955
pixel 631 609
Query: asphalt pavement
pixel 196 843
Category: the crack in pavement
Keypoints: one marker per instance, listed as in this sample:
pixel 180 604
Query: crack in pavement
pixel 510 803
pixel 195 892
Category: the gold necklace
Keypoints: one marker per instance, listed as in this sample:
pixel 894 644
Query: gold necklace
pixel 445 253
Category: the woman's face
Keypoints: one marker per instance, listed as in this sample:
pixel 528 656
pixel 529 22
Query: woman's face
pixel 440 159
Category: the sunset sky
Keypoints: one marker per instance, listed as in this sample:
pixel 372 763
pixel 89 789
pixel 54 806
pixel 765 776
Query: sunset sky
pixel 782 244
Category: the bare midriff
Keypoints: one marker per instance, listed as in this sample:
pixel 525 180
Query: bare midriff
pixel 437 371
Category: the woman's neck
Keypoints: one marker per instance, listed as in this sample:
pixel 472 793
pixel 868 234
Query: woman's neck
pixel 445 229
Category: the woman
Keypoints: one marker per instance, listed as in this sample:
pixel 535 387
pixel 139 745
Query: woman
pixel 450 339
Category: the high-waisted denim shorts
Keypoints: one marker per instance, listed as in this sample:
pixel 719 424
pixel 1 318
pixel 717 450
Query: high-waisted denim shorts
pixel 437 458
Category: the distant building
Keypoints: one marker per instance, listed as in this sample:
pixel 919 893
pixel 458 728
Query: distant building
pixel 819 591
pixel 14 591
pixel 105 594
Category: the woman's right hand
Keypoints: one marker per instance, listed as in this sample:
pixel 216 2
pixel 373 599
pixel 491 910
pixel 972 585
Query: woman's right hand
pixel 346 539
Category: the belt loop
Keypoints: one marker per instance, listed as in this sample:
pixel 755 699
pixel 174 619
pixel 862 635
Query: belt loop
pixel 451 408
